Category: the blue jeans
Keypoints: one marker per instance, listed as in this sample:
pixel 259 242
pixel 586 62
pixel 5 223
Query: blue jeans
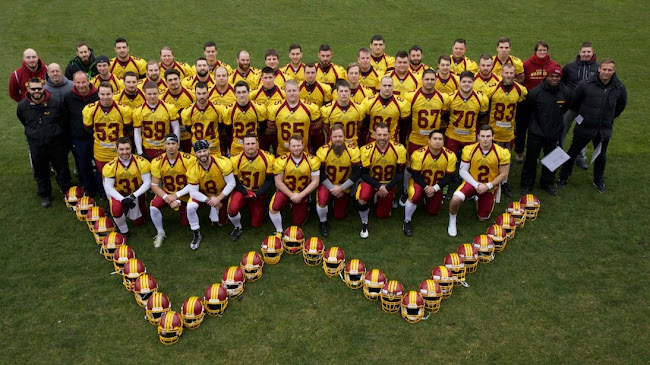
pixel 83 154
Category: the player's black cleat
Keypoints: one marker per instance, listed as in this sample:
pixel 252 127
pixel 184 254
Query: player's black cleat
pixel 324 229
pixel 196 240
pixel 234 235
pixel 408 230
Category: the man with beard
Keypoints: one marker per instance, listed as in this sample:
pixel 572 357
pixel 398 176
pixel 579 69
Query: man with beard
pixel 358 92
pixel 57 84
pixel 202 75
pixel 123 62
pixel 369 76
pixel 32 67
pixel 104 75
pixel 168 62
pixel 460 62
pixel 211 181
pixel 210 51
pixel 328 72
pixel 340 169
pixel 446 81
pixel 153 121
pixel 153 75
pixel 415 61
pixel 380 60
pixel 485 79
pixel 295 69
pixel 84 61
pixel 345 113
pixel 465 109
pixel 244 71
pixel 181 97
pixel 244 116
pixel 131 95
pixel 202 119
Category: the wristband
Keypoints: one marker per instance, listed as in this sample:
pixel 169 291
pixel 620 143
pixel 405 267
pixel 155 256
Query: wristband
pixel 490 186
pixel 164 197
pixel 436 188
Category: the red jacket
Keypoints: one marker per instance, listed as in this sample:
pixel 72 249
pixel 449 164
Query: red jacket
pixel 19 78
pixel 535 70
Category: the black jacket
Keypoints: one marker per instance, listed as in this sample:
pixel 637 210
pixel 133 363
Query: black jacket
pixel 599 105
pixel 76 65
pixel 44 122
pixel 545 107
pixel 74 103
pixel 576 71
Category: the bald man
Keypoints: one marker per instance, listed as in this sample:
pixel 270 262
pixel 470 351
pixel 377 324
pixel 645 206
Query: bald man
pixel 56 83
pixel 32 67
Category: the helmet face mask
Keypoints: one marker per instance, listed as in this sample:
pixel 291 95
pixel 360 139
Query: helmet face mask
pixel 272 250
pixel 252 265
pixel 373 283
pixel 215 300
pixel 313 251
pixel 170 328
pixel 391 296
pixel 333 261
pixel 292 240
pixel 233 280
pixel 354 274
pixel 413 307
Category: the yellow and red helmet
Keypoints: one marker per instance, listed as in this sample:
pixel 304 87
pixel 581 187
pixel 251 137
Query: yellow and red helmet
pixel 372 283
pixel 531 205
pixel 111 243
pixel 444 278
pixel 157 304
pixel 499 237
pixel 484 245
pixel 215 299
pixel 333 261
pixel 145 285
pixel 252 264
pixel 508 223
pixel 469 254
pixel 83 206
pixel 292 240
pixel 170 328
pixel 102 228
pixel 130 273
pixel 518 212
pixel 456 264
pixel 233 280
pixel 72 196
pixel 192 312
pixel 413 307
pixel 93 216
pixel 391 296
pixel 354 273
pixel 272 250
pixel 121 256
pixel 431 294
pixel 313 251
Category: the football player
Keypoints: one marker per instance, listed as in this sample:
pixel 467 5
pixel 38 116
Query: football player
pixel 123 62
pixel 328 72
pixel 432 168
pixel 202 120
pixel 153 74
pixel 168 62
pixel 382 168
pixel 484 165
pixel 415 61
pixel 386 108
pixel 295 69
pixel 244 116
pixel 312 90
pixel 297 174
pixel 358 92
pixel 104 74
pixel 222 93
pixel 369 76
pixel 344 112
pixel 268 93
pixel 202 75
pixel 446 82
pixel 210 52
pixel 465 108
pixel 210 183
pixel 380 60
pixel 485 78
pixel 244 72
pixel 503 56
pixel 340 169
pixel 403 80
pixel 152 121
pixel 181 97
pixel 460 62
pixel 272 60
pixel 169 183
pixel 131 96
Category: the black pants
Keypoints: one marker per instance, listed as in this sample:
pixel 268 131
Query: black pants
pixel 529 171
pixel 54 154
pixel 580 142
pixel 521 128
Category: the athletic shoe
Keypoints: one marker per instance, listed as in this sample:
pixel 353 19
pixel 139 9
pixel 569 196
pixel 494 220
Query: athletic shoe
pixel 324 229
pixel 581 164
pixel 234 235
pixel 408 230
pixel 451 229
pixel 562 183
pixel 364 230
pixel 46 202
pixel 158 240
pixel 196 240
pixel 601 188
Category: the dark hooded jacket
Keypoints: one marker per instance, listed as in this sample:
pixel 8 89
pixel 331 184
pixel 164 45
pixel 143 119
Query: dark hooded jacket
pixel 43 122
pixel 599 105
pixel 74 105
pixel 545 106
pixel 576 71
pixel 76 65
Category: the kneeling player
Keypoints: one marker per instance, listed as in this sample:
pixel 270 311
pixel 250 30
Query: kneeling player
pixel 211 181
pixel 297 174
pixel 340 169
pixel 126 180
pixel 382 168
pixel 432 168
pixel 484 165
pixel 169 183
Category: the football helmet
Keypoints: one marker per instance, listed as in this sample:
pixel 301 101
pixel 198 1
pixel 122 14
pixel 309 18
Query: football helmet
pixel 372 283
pixel 531 205
pixel 469 254
pixel 354 274
pixel 518 212
pixel 234 280
pixel 121 256
pixel 413 307
pixel 333 261
pixel 292 240
pixel 83 206
pixel 252 265
pixel 484 245
pixel 157 304
pixel 499 237
pixel 456 264
pixel 431 294
pixel 131 271
pixel 192 312
pixel 102 228
pixel 170 328
pixel 508 223
pixel 272 250
pixel 445 279
pixel 111 242
pixel 215 299
pixel 391 296
pixel 93 216
pixel 72 196
pixel 313 251
pixel 145 285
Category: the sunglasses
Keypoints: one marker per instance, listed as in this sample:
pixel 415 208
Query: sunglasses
pixel 35 88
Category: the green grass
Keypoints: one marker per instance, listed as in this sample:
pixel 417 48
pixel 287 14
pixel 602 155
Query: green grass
pixel 571 288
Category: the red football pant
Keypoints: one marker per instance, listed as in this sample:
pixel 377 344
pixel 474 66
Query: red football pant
pixel 485 203
pixel 159 203
pixel 299 211
pixel 384 206
pixel 340 204
pixel 256 206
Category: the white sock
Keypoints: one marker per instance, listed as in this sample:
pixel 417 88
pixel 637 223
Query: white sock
pixel 121 223
pixel 409 209
pixel 192 217
pixel 156 218
pixel 236 220
pixel 452 217
pixel 364 215
pixel 276 219
pixel 322 212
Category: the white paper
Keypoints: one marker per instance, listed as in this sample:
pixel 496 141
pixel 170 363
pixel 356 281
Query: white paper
pixel 555 159
pixel 579 119
pixel 596 152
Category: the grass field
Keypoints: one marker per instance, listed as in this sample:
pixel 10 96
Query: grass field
pixel 572 287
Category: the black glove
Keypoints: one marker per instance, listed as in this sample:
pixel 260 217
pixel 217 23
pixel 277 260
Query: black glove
pixel 128 202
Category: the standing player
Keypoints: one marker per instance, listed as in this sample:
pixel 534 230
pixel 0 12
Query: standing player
pixel 126 180
pixel 415 61
pixel 152 122
pixel 244 116
pixel 446 82
pixel 168 62
pixel 181 97
pixel 104 75
pixel 253 169
pixel 210 181
pixel 268 93
pixel 297 174
pixel 380 60
pixel 403 80
pixel 503 108
pixel 485 79
pixel 386 108
pixel 484 165
pixel 432 168
pixel 293 117
pixel 358 92
pixel 328 72
pixel 460 62
pixel 503 56
pixel 295 69
pixel 340 169
pixel 312 90
pixel 369 76
pixel 153 74
pixel 169 183
pixel 131 96
pixel 465 108
pixel 272 60
pixel 210 52
pixel 202 120
pixel 382 168
pixel 123 62
pixel 222 93
pixel 202 75
pixel 345 113
pixel 244 72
